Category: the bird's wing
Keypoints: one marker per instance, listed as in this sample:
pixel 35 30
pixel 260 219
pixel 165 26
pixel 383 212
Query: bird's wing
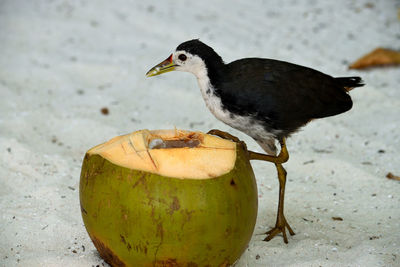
pixel 284 94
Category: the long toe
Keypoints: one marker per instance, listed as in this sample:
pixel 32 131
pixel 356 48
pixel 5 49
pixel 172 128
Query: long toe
pixel 224 135
pixel 279 228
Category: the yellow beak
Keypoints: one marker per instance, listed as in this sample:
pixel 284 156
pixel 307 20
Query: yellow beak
pixel 165 66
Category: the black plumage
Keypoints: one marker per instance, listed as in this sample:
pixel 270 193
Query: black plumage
pixel 282 95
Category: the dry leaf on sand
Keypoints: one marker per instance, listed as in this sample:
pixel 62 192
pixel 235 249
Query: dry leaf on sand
pixel 378 57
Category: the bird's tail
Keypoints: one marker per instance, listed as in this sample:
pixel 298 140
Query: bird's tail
pixel 350 83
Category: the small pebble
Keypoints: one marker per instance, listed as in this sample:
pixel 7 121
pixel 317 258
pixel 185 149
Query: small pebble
pixel 104 111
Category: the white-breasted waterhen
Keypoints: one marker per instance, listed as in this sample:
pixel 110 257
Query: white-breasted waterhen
pixel 264 98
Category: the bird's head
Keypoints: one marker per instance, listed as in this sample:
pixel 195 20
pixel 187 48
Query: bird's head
pixel 191 56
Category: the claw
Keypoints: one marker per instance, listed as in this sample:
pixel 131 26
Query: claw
pixel 279 228
pixel 228 136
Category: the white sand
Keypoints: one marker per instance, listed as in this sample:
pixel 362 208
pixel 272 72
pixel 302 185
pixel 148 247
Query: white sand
pixel 62 61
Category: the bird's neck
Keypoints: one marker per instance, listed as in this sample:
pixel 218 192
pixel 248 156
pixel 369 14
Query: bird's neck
pixel 210 94
pixel 204 82
pixel 208 78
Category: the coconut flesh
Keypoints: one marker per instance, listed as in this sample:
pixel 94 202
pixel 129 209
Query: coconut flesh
pixel 204 156
pixel 168 198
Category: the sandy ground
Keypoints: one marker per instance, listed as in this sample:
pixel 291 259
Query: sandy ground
pixel 61 62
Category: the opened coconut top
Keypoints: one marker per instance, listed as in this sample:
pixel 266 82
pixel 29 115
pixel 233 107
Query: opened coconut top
pixel 172 153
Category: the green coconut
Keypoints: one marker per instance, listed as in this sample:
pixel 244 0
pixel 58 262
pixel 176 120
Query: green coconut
pixel 168 198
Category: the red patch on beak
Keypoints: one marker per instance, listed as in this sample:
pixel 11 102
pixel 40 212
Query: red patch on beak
pixel 170 58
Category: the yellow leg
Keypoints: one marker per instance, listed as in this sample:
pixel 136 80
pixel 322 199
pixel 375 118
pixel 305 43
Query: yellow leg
pixel 281 158
pixel 281 223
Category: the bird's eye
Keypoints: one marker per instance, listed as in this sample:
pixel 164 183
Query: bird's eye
pixel 182 57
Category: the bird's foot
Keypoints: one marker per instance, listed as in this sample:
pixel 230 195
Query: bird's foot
pixel 227 136
pixel 280 227
pixel 224 135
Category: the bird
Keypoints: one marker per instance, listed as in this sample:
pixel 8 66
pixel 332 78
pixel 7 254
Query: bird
pixel 267 99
